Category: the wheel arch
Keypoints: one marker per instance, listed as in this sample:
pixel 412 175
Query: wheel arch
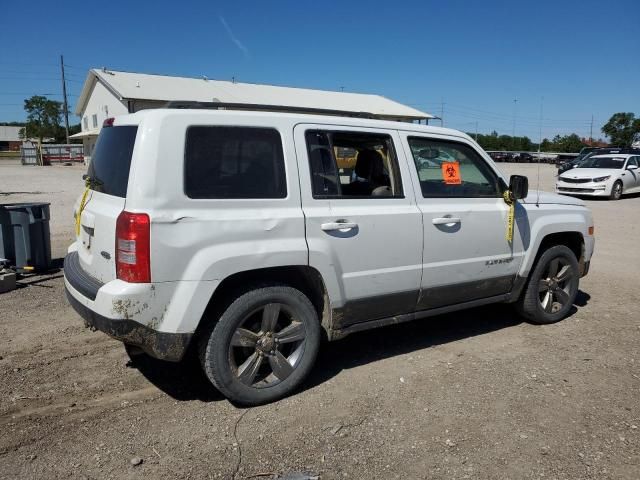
pixel 302 277
pixel 571 239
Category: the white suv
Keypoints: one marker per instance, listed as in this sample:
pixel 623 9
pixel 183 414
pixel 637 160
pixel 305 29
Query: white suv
pixel 247 236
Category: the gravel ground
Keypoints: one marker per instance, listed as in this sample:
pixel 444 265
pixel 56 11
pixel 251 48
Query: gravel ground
pixel 476 394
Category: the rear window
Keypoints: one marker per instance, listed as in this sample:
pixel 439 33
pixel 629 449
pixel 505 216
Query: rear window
pixel 234 162
pixel 111 160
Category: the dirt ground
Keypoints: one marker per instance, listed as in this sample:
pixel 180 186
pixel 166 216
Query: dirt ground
pixel 477 394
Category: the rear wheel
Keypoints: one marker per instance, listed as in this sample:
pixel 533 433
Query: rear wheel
pixel 616 191
pixel 263 346
pixel 552 286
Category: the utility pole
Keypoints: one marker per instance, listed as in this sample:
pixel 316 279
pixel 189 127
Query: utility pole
pixel 591 131
pixel 515 101
pixel 476 130
pixel 64 96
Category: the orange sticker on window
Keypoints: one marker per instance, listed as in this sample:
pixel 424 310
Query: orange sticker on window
pixel 451 173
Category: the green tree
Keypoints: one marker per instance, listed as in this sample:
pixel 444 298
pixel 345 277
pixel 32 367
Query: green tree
pixel 43 117
pixel 568 143
pixel 621 127
pixel 546 145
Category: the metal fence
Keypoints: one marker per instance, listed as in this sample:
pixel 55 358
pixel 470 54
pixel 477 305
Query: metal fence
pixel 48 154
pixel 29 155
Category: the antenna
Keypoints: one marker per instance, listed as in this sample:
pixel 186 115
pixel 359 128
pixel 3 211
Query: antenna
pixel 539 146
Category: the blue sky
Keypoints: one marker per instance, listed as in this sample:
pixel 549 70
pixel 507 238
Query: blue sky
pixel 580 57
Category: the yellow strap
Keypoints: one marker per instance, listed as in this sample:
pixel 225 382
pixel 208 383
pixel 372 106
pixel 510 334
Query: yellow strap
pixel 83 203
pixel 510 216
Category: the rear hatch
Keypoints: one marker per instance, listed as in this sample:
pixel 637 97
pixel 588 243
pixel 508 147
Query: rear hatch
pixel 108 177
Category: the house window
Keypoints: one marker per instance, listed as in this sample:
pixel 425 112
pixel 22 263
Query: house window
pixel 85 122
pixel 94 120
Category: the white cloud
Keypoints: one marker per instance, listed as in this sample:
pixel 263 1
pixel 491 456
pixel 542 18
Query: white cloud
pixel 233 38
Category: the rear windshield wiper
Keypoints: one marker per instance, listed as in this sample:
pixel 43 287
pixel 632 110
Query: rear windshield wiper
pixel 92 182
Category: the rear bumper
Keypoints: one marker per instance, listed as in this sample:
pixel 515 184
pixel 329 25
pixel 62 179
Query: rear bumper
pixel 88 297
pixel 161 345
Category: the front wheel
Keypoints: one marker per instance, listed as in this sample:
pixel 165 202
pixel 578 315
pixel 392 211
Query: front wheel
pixel 263 346
pixel 616 191
pixel 552 287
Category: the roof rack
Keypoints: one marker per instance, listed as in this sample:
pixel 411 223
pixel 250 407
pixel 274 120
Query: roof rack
pixel 187 104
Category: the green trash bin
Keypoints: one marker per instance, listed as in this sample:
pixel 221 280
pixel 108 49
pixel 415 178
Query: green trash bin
pixel 25 240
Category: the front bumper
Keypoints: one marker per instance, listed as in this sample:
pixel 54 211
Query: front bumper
pixel 590 189
pixel 81 290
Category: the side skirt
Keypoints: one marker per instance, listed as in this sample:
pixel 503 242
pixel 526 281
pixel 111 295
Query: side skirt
pixel 510 297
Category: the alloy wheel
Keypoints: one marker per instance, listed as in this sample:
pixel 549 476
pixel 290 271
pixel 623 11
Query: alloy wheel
pixel 617 190
pixel 267 346
pixel 554 289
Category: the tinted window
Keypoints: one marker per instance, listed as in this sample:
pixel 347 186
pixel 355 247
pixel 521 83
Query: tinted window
pixel 452 169
pixel 234 162
pixel 352 164
pixel 111 160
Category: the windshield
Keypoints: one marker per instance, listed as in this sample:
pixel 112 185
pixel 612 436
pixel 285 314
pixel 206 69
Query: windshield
pixel 602 162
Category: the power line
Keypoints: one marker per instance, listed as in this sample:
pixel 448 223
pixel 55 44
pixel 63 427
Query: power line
pixel 37 93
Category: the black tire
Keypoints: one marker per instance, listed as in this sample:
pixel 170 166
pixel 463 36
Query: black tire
pixel 224 345
pixel 534 304
pixel 616 191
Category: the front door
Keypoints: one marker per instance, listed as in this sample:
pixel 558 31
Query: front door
pixel 632 177
pixel 466 253
pixel 363 228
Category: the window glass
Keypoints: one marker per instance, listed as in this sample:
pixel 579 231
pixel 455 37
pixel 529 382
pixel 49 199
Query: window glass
pixel 634 161
pixel 352 164
pixel 234 162
pixel 452 169
pixel 94 119
pixel 85 121
pixel 601 161
pixel 111 160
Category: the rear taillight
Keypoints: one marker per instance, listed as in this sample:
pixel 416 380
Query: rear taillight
pixel 108 122
pixel 133 259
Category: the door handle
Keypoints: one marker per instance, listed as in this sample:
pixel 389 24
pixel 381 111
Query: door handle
pixel 445 220
pixel 338 225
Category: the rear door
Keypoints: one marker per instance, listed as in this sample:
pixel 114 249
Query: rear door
pixel 108 177
pixel 363 228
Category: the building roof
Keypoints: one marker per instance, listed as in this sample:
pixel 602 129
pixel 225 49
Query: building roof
pixel 86 133
pixel 10 133
pixel 141 86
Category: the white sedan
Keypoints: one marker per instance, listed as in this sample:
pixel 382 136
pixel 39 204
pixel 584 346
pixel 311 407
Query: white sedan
pixel 602 176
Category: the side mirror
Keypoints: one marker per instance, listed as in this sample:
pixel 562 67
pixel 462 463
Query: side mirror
pixel 632 167
pixel 518 186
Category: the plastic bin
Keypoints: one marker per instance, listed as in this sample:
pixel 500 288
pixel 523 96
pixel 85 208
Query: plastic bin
pixel 25 239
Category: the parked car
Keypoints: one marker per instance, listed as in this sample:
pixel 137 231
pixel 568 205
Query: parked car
pixel 587 152
pixel 499 156
pixel 602 175
pixel 523 157
pixel 233 234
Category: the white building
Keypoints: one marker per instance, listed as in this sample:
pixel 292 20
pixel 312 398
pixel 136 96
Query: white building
pixel 107 93
pixel 10 137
